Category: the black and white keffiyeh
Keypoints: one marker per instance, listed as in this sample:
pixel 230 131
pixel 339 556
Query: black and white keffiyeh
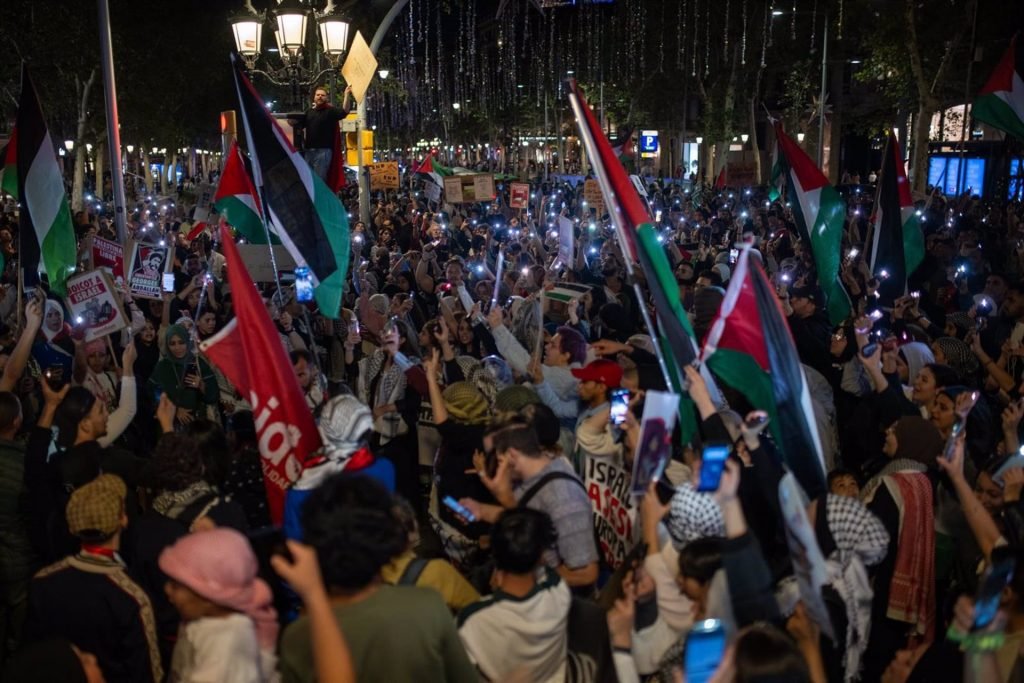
pixel 861 541
pixel 693 515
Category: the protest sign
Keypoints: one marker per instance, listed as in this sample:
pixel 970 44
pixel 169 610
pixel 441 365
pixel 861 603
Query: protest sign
pixel 592 195
pixel 483 187
pixel 808 562
pixel 360 67
pixel 566 291
pixel 432 190
pixel 384 175
pixel 519 195
pixel 654 447
pixel 204 203
pixel 453 190
pixel 94 305
pixel 566 241
pixel 607 483
pixel 148 264
pixel 108 256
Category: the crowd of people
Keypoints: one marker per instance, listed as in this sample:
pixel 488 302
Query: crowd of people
pixel 447 530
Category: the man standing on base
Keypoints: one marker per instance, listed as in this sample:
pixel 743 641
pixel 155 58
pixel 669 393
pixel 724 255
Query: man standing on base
pixel 320 126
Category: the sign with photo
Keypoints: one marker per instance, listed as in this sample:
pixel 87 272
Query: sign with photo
pixel 94 305
pixel 148 265
pixel 607 482
pixel 108 256
pixel 519 195
pixel 53 319
pixel 654 447
pixel 384 175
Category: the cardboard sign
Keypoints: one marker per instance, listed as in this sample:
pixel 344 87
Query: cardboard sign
pixel 469 188
pixel 808 562
pixel 148 265
pixel 108 256
pixel 384 175
pixel 566 241
pixel 92 301
pixel 360 67
pixel 654 447
pixel 204 203
pixel 593 197
pixel 519 195
pixel 453 190
pixel 607 483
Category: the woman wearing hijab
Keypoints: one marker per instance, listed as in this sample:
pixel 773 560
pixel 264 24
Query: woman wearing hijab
pixel 345 427
pixel 957 355
pixel 188 381
pixel 902 495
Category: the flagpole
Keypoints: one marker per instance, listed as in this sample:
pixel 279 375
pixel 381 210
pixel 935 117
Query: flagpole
pixel 113 126
pixel 615 212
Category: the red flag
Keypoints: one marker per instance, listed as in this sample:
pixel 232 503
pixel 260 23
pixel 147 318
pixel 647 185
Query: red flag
pixel 723 178
pixel 336 172
pixel 250 354
pixel 196 230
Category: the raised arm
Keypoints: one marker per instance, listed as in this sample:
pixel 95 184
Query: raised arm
pixel 19 357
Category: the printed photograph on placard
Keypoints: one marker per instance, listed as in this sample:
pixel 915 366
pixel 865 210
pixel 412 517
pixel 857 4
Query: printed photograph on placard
pixel 94 304
pixel 654 447
pixel 147 269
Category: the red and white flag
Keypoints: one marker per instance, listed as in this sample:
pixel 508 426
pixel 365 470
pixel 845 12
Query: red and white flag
pixel 250 354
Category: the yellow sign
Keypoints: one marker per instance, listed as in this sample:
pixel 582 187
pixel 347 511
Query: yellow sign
pixel 360 67
pixel 384 175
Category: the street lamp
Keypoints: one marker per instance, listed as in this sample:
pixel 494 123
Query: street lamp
pixel 130 148
pixel 745 137
pixel 456 106
pixel 69 145
pixel 383 73
pixel 800 137
pixel 291 22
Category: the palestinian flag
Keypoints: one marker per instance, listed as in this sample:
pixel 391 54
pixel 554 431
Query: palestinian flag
pixel 750 348
pixel 897 245
pixel 433 171
pixel 820 214
pixel 303 213
pixel 566 291
pixel 778 179
pixel 638 237
pixel 45 233
pixel 9 166
pixel 236 200
pixel 624 148
pixel 1000 103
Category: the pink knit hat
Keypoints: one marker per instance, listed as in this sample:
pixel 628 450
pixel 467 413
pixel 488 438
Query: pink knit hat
pixel 220 566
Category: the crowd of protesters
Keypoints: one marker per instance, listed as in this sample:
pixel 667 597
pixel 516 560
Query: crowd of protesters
pixel 445 531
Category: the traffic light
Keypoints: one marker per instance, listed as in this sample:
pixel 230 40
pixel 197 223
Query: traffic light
pixel 352 148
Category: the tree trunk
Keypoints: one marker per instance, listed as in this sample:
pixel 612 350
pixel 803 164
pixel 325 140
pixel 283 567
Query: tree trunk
pixel 163 176
pixel 172 173
pixel 147 171
pixel 82 90
pixel 101 161
pixel 919 159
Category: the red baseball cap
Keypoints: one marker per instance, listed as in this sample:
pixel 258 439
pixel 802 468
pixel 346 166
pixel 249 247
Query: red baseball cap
pixel 607 372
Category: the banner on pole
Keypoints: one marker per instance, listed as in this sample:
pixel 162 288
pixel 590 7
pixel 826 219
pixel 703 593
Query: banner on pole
pixel 94 305
pixel 519 195
pixel 148 265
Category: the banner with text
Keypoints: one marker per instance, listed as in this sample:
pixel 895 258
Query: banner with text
pixel 384 175
pixel 519 195
pixel 148 265
pixel 94 305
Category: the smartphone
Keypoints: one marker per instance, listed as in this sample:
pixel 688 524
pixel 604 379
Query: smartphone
pixel 303 285
pixel 733 255
pixel 458 508
pixel 705 645
pixel 757 420
pixel 168 282
pixel 55 377
pixel 664 489
pixel 869 350
pixel 157 393
pixel 391 324
pixel 712 465
pixel 620 405
pixel 986 602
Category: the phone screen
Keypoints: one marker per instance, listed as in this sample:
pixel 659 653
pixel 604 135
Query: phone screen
pixel 620 404
pixel 705 646
pixel 303 290
pixel 458 508
pixel 712 464
pixel 986 603
pixel 168 282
